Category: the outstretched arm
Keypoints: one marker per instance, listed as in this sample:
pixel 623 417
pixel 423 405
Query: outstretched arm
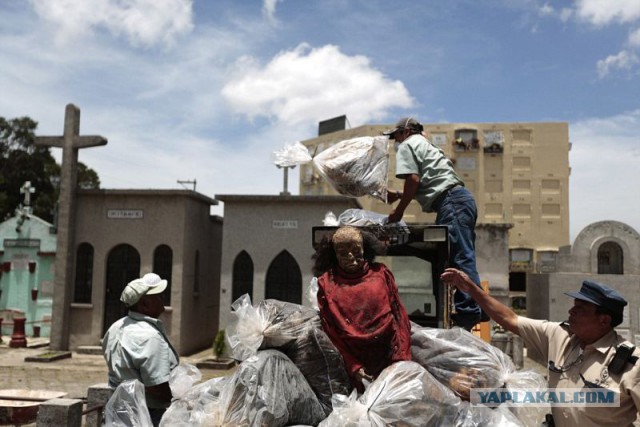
pixel 498 312
pixel 411 185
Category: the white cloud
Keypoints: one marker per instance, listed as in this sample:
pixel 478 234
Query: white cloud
pixel 565 14
pixel 269 10
pixel 546 9
pixel 634 38
pixel 599 12
pixel 142 22
pixel 305 84
pixel 604 171
pixel 623 60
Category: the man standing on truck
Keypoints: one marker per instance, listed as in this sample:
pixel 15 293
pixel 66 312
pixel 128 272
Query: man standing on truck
pixel 430 179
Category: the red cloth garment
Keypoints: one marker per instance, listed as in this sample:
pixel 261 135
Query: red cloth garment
pixel 364 318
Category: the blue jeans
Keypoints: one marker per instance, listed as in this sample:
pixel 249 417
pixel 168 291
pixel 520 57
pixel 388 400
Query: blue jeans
pixel 457 210
pixel 156 415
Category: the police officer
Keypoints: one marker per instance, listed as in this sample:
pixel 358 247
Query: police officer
pixel 585 352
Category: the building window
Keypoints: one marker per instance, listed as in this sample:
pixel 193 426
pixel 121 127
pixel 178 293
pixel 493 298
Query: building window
pixel 610 259
pixel 242 276
pixel 84 274
pixel 163 266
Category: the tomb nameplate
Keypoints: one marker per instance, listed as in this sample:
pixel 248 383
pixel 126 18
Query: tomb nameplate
pixel 22 243
pixel 284 223
pixel 125 213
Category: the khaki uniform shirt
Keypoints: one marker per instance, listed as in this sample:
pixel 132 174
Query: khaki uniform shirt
pixel 554 342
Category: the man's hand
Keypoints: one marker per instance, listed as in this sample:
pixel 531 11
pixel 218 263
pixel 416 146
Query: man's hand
pixel 497 311
pixel 363 376
pixel 459 279
pixel 393 196
pixel 395 216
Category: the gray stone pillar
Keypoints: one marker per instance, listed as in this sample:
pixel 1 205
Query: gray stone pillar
pixel 60 412
pixel 97 395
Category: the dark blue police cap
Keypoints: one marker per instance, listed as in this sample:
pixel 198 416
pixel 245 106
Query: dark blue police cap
pixel 600 295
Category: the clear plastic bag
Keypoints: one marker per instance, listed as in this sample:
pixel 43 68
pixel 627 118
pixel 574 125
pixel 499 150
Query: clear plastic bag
pixel 362 217
pixel 291 155
pixel 271 324
pixel 182 379
pixel 127 406
pixel 356 167
pixel 403 394
pixel 330 220
pixel 312 293
pixel 462 361
pixel 296 331
pixel 459 360
pixel 266 390
pixel 198 407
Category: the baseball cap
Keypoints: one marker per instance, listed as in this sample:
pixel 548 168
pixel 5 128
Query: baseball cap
pixel 404 123
pixel 600 295
pixel 149 284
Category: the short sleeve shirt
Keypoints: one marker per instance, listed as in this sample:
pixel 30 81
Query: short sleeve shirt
pixel 136 347
pixel 416 155
pixel 553 341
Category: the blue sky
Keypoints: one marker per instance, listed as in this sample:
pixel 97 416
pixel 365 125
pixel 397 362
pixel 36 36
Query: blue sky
pixel 207 90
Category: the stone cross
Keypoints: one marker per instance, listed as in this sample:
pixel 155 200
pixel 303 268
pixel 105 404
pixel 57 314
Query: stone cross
pixel 27 190
pixel 70 142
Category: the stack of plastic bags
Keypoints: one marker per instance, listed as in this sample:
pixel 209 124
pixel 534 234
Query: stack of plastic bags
pixel 405 394
pixel 295 330
pixel 291 374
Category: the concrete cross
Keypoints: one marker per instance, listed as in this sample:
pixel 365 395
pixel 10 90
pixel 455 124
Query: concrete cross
pixel 70 142
pixel 27 190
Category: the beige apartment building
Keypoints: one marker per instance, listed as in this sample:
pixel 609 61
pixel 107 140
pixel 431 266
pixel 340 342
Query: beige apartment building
pixel 518 173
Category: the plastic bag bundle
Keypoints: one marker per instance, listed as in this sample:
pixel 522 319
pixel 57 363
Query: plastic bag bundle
pixel 245 330
pixel 459 359
pixel 321 364
pixel 182 379
pixel 287 322
pixel 291 155
pixel 127 406
pixel 266 390
pixel 356 167
pixel 462 361
pixel 296 331
pixel 403 394
pixel 272 324
pixel 358 217
pixel 197 407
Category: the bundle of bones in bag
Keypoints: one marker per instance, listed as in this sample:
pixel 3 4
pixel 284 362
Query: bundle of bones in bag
pixel 291 374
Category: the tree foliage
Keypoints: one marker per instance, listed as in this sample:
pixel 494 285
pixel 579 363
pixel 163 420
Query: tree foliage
pixel 21 160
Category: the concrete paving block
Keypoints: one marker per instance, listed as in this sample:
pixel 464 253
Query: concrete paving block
pixel 97 396
pixel 60 412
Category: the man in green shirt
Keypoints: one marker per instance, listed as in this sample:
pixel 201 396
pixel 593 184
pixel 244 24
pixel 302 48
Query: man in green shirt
pixel 430 179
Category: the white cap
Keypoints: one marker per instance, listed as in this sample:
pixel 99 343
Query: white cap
pixel 149 284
